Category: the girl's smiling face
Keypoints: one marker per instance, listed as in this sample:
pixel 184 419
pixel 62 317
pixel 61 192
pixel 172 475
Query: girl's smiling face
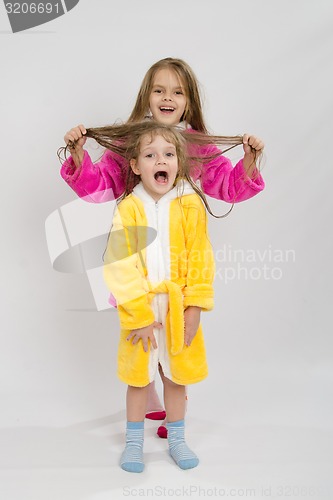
pixel 157 165
pixel 167 100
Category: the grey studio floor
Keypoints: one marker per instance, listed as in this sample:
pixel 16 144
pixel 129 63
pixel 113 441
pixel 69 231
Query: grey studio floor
pixel 243 456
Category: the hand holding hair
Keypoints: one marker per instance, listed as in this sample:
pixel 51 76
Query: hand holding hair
pixel 252 143
pixel 75 141
pixel 253 147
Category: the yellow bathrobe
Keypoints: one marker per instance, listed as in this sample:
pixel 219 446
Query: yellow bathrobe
pixel 159 261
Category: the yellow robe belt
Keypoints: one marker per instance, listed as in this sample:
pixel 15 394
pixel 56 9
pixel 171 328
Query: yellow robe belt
pixel 176 311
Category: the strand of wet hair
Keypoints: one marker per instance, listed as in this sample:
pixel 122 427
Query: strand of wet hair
pixel 115 138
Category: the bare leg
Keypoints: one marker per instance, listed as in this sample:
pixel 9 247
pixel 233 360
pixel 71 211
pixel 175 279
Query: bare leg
pixel 136 403
pixel 162 431
pixel 174 399
pixel 155 410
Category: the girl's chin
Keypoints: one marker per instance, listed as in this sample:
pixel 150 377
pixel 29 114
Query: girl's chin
pixel 162 184
pixel 160 189
pixel 167 119
pixel 165 185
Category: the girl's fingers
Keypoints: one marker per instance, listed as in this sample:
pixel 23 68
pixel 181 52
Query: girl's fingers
pixel 79 131
pixel 145 345
pixel 255 142
pixel 153 341
pixel 186 336
pixel 260 145
pixel 144 334
pixel 251 141
pixel 187 340
pixel 82 129
pixel 68 137
pixel 76 133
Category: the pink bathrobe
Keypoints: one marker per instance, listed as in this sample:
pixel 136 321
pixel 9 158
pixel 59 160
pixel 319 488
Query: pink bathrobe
pixel 104 180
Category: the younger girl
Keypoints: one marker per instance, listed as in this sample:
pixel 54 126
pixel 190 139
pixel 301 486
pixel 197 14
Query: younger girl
pixel 159 266
pixel 169 95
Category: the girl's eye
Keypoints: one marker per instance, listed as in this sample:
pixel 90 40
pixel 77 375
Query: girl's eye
pixel 158 91
pixel 179 92
pixel 149 155
pixel 170 154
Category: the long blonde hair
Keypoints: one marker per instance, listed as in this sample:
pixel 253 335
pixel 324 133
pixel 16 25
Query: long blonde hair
pixel 193 112
pixel 124 140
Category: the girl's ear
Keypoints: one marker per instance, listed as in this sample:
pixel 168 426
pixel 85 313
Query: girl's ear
pixel 134 167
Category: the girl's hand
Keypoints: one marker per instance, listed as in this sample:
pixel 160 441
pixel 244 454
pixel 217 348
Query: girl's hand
pixel 76 134
pixel 76 140
pixel 144 334
pixel 192 321
pixel 253 147
pixel 252 142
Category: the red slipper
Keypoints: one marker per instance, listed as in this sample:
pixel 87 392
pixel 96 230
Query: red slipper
pixel 162 432
pixel 156 415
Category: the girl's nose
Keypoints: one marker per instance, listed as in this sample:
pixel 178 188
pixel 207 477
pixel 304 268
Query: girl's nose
pixel 160 160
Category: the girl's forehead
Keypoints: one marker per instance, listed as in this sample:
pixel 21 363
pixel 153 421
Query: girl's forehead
pixel 151 139
pixel 168 75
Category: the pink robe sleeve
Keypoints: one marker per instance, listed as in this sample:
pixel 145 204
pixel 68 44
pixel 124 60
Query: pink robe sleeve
pixel 219 179
pixel 96 182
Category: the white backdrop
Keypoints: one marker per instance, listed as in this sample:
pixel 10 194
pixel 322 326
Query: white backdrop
pixel 263 418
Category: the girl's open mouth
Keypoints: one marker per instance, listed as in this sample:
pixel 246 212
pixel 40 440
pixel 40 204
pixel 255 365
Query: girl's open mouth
pixel 167 109
pixel 161 177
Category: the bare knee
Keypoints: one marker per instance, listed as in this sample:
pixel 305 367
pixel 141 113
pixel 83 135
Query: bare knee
pixel 166 381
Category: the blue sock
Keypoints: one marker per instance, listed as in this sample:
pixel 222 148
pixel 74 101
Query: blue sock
pixel 132 457
pixel 180 452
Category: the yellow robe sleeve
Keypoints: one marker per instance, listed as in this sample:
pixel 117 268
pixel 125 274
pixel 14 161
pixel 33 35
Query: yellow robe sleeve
pixel 124 269
pixel 198 290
